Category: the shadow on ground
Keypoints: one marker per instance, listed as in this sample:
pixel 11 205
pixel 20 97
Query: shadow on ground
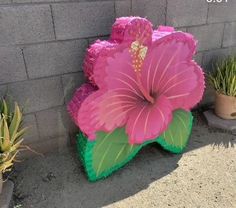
pixel 58 180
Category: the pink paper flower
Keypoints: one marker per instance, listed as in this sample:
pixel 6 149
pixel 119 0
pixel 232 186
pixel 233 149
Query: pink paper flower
pixel 99 48
pixel 140 85
pixel 130 29
pixel 80 95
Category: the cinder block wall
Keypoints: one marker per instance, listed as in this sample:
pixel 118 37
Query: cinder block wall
pixel 43 42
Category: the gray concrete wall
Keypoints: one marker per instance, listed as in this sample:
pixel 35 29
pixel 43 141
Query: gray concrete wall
pixel 42 46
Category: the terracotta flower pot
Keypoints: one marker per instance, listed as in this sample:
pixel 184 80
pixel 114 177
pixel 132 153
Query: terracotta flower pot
pixel 225 106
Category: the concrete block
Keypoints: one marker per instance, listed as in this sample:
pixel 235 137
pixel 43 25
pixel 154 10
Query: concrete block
pixel 208 36
pixel 52 145
pixel 217 122
pixel 222 12
pixel 198 58
pixel 208 96
pixel 25 24
pixel 43 1
pixel 32 1
pixel 5 1
pixel 6 195
pixel 152 9
pixel 229 34
pixel 56 123
pixel 186 12
pixel 51 123
pixel 68 122
pixel 12 66
pixel 70 83
pixel 123 8
pixel 36 95
pixel 211 57
pixel 54 58
pixel 3 90
pixel 31 135
pixel 83 19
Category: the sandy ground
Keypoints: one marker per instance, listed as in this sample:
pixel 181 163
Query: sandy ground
pixel 204 176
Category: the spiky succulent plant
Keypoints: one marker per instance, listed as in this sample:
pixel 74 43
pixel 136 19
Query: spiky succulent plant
pixel 223 79
pixel 11 133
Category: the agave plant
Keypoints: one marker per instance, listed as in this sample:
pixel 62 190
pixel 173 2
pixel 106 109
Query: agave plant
pixel 11 133
pixel 224 78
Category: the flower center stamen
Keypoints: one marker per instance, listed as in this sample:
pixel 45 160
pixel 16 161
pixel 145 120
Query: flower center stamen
pixel 138 53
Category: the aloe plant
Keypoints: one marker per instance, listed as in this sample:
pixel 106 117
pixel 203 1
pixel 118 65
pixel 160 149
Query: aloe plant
pixel 11 133
pixel 224 77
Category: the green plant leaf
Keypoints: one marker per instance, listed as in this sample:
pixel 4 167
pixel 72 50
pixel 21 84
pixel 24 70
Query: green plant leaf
pixel 11 133
pixel 223 78
pixel 15 123
pixel 6 142
pixel 114 146
pixel 110 151
pixel 5 108
pixel 175 138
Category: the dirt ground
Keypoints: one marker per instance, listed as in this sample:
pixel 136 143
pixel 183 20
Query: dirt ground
pixel 204 176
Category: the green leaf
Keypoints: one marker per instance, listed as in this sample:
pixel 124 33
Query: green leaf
pixel 15 123
pixel 175 138
pixel 6 142
pixel 5 108
pixel 111 151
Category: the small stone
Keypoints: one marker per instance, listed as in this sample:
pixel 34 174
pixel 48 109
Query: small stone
pixel 49 177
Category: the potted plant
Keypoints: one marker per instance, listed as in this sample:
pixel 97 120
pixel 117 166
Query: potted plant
pixel 224 82
pixel 11 133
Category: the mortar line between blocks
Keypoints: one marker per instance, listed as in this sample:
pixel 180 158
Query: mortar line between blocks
pixel 53 41
pixel 12 3
pixel 46 109
pixel 208 7
pixel 61 81
pixel 53 22
pixel 166 12
pixel 40 78
pixel 114 6
pixel 222 39
pixel 26 69
pixel 37 124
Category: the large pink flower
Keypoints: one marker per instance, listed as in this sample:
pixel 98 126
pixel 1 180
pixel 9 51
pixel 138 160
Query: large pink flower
pixel 140 84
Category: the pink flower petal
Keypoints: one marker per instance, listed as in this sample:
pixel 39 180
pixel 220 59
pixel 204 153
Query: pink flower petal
pixel 195 95
pixel 146 122
pixel 164 53
pixel 130 29
pixel 163 28
pixel 120 73
pixel 80 95
pixel 179 83
pixel 104 111
pixel 99 49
